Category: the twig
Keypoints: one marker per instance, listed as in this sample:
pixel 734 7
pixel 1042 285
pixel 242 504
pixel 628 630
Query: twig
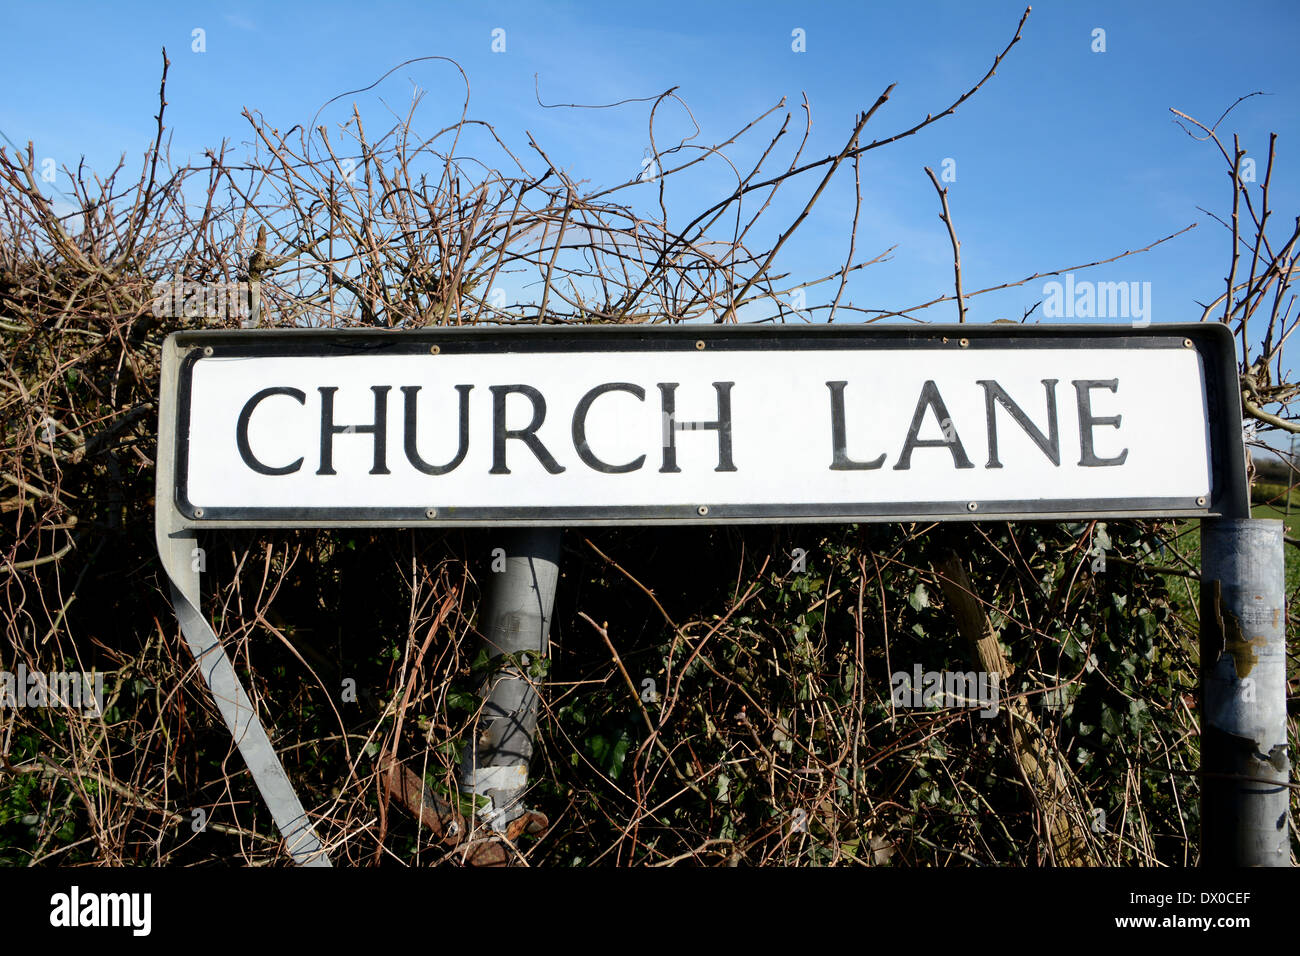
pixel 946 216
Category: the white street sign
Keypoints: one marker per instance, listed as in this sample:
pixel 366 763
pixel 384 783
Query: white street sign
pixel 618 425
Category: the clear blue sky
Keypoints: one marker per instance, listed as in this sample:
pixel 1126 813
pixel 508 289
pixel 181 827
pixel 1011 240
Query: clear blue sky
pixel 1066 156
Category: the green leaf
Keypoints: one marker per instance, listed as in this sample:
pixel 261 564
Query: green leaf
pixel 919 598
pixel 1109 723
pixel 609 753
pixel 1100 537
pixel 724 788
pixel 462 700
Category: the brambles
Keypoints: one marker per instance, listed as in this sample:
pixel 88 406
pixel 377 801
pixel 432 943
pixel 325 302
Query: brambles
pixel 772 735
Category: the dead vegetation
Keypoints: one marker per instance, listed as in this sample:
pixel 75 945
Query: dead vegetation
pixel 772 707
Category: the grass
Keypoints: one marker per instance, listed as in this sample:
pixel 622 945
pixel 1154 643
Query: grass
pixel 1186 538
pixel 1289 524
pixel 1274 497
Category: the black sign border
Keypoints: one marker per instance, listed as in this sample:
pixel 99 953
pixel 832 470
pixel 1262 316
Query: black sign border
pixel 1214 343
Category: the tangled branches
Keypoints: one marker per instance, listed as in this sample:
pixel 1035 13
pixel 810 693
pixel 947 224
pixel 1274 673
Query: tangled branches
pixel 358 649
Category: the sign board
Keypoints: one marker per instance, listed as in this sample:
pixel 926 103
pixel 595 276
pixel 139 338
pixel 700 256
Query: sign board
pixel 604 425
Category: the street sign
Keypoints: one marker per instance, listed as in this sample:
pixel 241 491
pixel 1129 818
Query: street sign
pixel 605 425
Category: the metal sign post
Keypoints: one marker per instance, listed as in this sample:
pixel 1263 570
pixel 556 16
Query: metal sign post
pixel 516 629
pixel 1245 771
pixel 551 426
pixel 181 559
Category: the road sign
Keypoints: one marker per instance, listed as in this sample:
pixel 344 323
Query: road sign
pixel 603 425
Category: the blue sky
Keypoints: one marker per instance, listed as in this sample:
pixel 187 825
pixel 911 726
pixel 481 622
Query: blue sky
pixel 1066 156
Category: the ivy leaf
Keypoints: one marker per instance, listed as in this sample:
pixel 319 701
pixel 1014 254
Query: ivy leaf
pixel 609 753
pixel 919 598
pixel 1108 721
pixel 462 700
pixel 1101 538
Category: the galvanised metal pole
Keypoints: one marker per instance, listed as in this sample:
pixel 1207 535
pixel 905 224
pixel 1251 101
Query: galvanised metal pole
pixel 516 621
pixel 1244 764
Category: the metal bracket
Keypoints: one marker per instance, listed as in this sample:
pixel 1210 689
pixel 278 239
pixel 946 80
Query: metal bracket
pixel 177 548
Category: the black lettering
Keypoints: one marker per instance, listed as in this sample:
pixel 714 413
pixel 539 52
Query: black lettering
pixel 526 435
pixel 840 460
pixel 379 429
pixel 930 398
pixel 995 393
pixel 1088 456
pixel 672 426
pixel 412 454
pixel 580 428
pixel 241 431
